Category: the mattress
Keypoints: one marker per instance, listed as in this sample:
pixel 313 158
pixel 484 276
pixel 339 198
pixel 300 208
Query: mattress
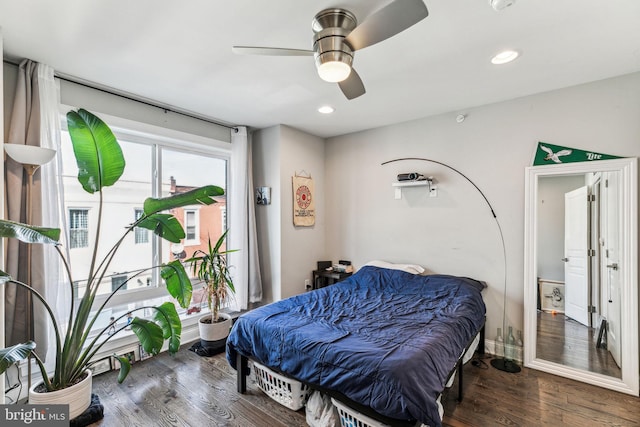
pixel 383 338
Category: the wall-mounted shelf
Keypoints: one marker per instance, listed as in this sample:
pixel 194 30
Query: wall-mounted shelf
pixel 433 189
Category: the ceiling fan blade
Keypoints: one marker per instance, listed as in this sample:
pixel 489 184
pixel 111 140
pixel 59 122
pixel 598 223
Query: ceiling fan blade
pixel 352 87
pixel 270 51
pixel 392 19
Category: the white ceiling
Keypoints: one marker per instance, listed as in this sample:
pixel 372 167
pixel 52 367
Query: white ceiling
pixel 179 53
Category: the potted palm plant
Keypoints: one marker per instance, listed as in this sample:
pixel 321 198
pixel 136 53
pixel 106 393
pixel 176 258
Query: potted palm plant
pixel 100 164
pixel 212 268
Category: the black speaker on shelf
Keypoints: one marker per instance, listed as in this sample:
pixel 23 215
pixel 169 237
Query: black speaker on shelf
pixel 323 265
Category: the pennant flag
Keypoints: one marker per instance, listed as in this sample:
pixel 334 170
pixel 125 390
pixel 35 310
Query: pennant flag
pixel 549 154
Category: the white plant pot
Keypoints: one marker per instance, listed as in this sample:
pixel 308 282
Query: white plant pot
pixel 214 331
pixel 78 396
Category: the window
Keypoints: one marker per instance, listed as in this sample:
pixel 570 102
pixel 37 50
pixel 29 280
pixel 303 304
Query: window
pixel 191 227
pixel 185 170
pixel 141 234
pixel 78 228
pixel 156 166
pixel 118 280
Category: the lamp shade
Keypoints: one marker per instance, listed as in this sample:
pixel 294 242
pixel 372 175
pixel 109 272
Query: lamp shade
pixel 334 71
pixel 29 154
pixel 334 66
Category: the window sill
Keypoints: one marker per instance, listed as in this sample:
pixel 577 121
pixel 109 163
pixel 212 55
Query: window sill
pixel 126 340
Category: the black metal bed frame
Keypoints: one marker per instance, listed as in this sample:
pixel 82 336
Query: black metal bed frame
pixel 242 371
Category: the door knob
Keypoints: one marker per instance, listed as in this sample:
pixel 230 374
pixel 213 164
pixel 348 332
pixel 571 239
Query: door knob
pixel 565 260
pixel 613 266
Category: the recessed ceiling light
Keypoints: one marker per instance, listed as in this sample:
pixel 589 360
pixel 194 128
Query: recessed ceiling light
pixel 326 109
pixel 504 57
pixel 501 4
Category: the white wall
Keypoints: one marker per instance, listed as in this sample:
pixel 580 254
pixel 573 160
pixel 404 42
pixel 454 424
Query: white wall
pixel 288 254
pixel 100 101
pixel 455 233
pixel 301 247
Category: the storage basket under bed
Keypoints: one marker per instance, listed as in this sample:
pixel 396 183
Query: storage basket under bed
pixel 286 391
pixel 352 418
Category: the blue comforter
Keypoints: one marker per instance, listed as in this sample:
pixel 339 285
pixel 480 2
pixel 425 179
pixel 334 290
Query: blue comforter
pixel 384 338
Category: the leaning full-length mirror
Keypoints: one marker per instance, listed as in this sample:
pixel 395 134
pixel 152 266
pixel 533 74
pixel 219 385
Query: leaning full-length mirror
pixel 581 295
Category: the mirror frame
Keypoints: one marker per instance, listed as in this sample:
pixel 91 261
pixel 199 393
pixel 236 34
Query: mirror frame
pixel 629 383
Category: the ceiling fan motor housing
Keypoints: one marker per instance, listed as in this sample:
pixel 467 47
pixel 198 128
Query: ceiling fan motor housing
pixel 331 26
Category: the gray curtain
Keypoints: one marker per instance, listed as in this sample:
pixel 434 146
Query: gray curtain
pixel 24 128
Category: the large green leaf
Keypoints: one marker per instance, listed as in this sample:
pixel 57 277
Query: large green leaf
pixel 13 354
pixel 178 282
pixel 98 154
pixel 199 196
pixel 28 233
pixel 4 277
pixel 168 319
pixel 164 225
pixel 150 335
pixel 125 367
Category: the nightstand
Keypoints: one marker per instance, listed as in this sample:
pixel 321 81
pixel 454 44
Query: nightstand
pixel 322 278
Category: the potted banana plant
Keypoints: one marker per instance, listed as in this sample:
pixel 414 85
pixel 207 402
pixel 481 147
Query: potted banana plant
pixel 101 163
pixel 212 269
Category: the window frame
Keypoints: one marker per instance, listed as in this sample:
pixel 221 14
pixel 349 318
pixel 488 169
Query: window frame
pixel 162 139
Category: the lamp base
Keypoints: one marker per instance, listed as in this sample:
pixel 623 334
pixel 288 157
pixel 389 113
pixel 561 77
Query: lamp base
pixel 505 365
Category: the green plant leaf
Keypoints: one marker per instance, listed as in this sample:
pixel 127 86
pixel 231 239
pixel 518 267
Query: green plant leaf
pixel 98 154
pixel 164 225
pixel 167 317
pixel 28 233
pixel 13 354
pixel 199 196
pixel 149 334
pixel 178 282
pixel 125 367
pixel 4 277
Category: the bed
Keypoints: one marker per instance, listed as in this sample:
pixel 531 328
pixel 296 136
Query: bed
pixel 382 340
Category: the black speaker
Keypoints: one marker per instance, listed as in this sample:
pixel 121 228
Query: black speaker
pixel 323 265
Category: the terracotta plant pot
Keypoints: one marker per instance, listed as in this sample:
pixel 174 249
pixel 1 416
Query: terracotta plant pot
pixel 78 396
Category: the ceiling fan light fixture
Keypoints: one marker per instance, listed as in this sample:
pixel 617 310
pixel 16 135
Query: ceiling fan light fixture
pixel 334 71
pixel 334 66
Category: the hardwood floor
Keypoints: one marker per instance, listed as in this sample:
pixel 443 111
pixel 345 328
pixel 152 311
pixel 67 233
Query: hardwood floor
pixel 188 390
pixel 565 341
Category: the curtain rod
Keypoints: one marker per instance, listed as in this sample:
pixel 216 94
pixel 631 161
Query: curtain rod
pixel 130 97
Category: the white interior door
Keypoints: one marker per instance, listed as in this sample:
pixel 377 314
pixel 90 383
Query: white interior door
pixel 611 267
pixel 576 246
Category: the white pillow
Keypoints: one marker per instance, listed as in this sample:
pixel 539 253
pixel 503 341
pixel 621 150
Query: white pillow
pixel 409 268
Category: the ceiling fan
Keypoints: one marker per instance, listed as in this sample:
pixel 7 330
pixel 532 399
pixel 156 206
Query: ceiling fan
pixel 337 36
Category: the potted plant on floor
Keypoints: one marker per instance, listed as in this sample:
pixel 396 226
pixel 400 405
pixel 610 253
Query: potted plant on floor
pixel 100 164
pixel 212 268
